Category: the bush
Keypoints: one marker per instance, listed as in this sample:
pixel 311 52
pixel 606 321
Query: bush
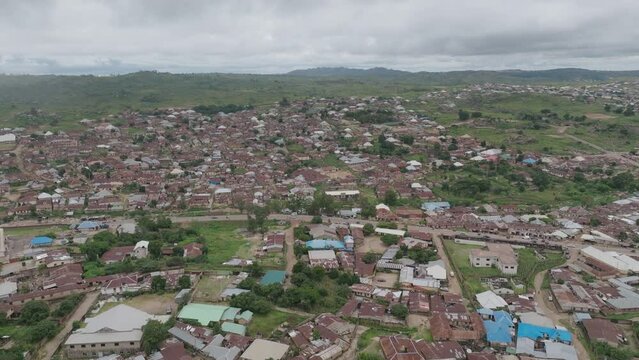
pixel 34 312
pixel 389 240
pixel 43 330
pixel 368 229
pixel 399 311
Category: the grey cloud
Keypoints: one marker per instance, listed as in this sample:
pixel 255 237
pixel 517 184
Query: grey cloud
pixel 113 36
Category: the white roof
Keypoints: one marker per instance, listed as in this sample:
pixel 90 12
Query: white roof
pixel 262 349
pixel 436 271
pixel 104 337
pixel 621 262
pixel 7 138
pixel 342 192
pixel 395 232
pixel 490 300
pixel 119 318
pixel 142 244
pixel 321 255
pixel 382 206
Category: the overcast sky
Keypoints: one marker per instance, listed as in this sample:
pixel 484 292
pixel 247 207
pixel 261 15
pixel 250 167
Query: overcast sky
pixel 119 36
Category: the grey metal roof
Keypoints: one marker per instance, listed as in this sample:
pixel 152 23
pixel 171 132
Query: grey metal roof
pixel 187 338
pixel 104 337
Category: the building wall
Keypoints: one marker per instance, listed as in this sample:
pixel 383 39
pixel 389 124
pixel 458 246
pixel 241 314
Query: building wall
pixel 101 349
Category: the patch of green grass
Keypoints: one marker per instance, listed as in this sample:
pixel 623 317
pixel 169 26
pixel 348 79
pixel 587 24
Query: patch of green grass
pixel 222 239
pixel 367 336
pixel 470 277
pixel 34 230
pixel 624 316
pixel 264 325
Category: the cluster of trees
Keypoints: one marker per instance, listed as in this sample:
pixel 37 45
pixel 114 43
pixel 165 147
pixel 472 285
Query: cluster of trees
pixel 464 115
pixel 371 116
pixel 387 148
pixel 626 111
pixel 35 314
pixel 309 291
pixel 258 219
pixel 67 305
pixel 154 333
pixel 159 232
pixel 211 110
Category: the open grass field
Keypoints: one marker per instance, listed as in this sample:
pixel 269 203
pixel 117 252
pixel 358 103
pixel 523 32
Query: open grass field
pixel 156 304
pixel 223 240
pixel 529 265
pixel 209 288
pixel 31 231
pixel 264 325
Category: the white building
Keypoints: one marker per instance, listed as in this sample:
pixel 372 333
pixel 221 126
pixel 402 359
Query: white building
pixel 500 255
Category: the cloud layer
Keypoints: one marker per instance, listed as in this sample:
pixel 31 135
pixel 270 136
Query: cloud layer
pixel 118 36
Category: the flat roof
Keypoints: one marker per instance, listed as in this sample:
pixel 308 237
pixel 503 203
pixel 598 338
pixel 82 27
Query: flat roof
pixel 203 313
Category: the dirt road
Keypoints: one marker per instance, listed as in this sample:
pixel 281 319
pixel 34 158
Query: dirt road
pixel 52 346
pixel 453 282
pixel 291 260
pixel 549 309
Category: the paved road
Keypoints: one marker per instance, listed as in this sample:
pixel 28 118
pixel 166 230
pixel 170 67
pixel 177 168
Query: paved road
pixel 52 346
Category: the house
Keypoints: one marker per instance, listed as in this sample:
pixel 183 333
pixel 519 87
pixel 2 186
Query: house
pixel 435 206
pixel 323 258
pixel 603 330
pixel 262 349
pixel 193 250
pixel 500 255
pixel 141 249
pixel 117 254
pixel 115 331
pixel 274 243
pixel 39 241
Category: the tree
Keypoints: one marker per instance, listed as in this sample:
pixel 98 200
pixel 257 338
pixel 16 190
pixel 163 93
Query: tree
pixel 369 258
pixel 368 229
pixel 463 115
pixel 155 249
pixel 252 302
pixel 42 330
pixel 390 197
pixel 158 284
pixel 255 270
pixel 399 311
pixel 389 239
pixel 316 219
pixel 541 180
pixel 184 282
pixel 33 312
pixel 153 334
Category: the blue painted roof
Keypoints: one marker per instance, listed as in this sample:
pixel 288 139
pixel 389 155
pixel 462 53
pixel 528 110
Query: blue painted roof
pixel 485 311
pixel 498 330
pixel 273 277
pixel 435 205
pixel 324 244
pixel 41 240
pixel 88 225
pixel 530 161
pixel 535 332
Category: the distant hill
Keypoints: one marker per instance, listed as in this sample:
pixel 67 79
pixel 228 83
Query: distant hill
pixel 74 97
pixel 462 77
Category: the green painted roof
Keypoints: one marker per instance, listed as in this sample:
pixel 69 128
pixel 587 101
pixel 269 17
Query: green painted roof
pixel 246 315
pixel 230 313
pixel 230 327
pixel 273 277
pixel 203 313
